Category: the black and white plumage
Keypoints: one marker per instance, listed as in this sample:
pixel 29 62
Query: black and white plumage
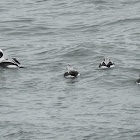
pixel 138 81
pixel 71 72
pixel 8 63
pixel 106 63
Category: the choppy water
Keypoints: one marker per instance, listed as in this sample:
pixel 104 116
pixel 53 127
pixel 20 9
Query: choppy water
pixel 37 102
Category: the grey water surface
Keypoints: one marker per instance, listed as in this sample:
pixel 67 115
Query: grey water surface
pixel 37 102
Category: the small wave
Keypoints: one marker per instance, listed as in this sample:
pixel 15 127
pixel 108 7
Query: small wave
pixel 126 20
pixel 20 20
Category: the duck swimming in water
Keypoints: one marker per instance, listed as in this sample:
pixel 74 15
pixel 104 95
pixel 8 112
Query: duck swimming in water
pixel 106 63
pixel 138 80
pixel 8 63
pixel 71 72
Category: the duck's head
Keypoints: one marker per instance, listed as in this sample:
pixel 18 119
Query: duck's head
pixel 69 67
pixel 106 60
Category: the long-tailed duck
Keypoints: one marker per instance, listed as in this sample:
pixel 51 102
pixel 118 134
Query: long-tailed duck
pixel 8 63
pixel 106 63
pixel 71 72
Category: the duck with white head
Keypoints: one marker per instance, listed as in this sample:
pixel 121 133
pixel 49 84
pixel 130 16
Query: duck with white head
pixel 106 63
pixel 71 72
pixel 8 63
